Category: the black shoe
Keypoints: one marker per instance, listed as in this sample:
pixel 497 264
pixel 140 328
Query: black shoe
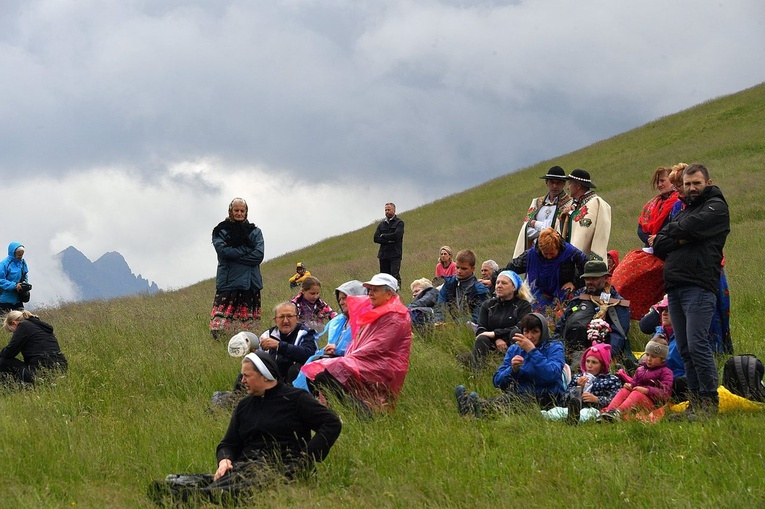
pixel 574 409
pixel 463 404
pixel 610 416
pixel 465 359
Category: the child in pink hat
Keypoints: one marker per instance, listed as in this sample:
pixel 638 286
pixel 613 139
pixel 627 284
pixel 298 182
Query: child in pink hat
pixel 591 389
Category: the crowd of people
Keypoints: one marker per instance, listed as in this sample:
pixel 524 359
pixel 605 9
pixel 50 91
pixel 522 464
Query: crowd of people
pixel 675 285
pixel 556 304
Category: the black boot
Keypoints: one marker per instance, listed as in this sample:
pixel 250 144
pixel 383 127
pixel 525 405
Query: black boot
pixel 693 404
pixel 706 408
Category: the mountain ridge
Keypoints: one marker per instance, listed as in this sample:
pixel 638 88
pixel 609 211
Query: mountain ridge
pixel 106 278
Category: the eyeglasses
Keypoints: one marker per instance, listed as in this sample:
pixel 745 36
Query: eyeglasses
pixel 285 317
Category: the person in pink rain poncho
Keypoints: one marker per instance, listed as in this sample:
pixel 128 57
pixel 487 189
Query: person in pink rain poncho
pixel 372 372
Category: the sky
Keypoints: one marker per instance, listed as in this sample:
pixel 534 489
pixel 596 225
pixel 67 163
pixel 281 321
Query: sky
pixel 129 125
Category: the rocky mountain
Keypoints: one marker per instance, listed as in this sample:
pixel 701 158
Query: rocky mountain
pixel 106 278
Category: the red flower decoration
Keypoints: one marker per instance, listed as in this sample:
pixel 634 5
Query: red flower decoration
pixel 581 214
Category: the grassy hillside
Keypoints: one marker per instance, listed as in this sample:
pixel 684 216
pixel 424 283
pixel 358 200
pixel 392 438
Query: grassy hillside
pixel 135 403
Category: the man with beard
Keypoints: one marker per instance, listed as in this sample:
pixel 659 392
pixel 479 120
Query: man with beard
pixel 390 236
pixel 598 300
pixel 691 246
pixel 544 211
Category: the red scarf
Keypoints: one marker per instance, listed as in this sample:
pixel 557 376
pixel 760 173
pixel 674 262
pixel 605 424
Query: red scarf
pixel 655 212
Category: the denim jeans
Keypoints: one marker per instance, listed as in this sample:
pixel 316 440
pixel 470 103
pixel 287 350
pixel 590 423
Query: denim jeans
pixel 691 309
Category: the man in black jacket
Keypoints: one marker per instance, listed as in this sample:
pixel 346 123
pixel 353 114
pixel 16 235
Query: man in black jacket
pixel 691 246
pixel 390 236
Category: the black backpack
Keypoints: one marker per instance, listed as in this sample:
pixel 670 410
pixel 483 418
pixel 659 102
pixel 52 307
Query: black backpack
pixel 742 375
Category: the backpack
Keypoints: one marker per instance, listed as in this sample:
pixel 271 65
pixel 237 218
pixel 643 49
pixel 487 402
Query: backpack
pixel 742 375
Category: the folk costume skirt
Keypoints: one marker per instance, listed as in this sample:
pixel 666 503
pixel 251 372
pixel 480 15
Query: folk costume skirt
pixel 235 309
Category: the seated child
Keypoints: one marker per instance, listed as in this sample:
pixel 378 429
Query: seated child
pixel 462 295
pixel 312 310
pixel 532 371
pixel 674 361
pixel 590 390
pixel 650 388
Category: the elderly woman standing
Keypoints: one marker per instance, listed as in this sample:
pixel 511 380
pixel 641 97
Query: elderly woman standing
pixel 277 432
pixel 13 272
pixel 498 319
pixel 239 246
pixel 372 372
pixel 35 341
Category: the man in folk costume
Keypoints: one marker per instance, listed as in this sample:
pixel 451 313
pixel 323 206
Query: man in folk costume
pixel 598 300
pixel 586 223
pixel 544 212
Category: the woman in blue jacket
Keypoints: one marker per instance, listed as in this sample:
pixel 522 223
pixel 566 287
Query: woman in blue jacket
pixel 532 371
pixel 239 246
pixel 13 272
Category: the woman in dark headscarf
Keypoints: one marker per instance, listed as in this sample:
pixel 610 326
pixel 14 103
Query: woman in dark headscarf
pixel 239 245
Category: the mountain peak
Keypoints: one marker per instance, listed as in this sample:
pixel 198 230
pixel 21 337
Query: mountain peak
pixel 106 278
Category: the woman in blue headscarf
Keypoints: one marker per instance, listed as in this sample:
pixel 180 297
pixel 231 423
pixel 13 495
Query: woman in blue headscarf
pixel 498 319
pixel 13 272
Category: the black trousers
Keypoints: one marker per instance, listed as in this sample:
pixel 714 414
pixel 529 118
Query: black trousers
pixel 391 266
pixel 244 480
pixel 324 381
pixel 17 370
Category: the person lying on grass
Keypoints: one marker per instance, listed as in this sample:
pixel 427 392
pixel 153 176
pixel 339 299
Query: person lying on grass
pixel 532 372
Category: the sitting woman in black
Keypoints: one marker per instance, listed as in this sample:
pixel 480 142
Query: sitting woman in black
pixel 276 432
pixel 498 319
pixel 35 341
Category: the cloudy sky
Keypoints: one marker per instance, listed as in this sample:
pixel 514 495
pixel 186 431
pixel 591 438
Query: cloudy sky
pixel 128 125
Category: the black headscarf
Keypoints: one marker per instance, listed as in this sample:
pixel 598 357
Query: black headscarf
pixel 237 232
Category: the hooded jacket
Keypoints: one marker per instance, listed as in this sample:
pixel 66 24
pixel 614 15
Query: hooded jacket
pixel 35 341
pixel 296 347
pixel 12 272
pixel 691 245
pixel 541 372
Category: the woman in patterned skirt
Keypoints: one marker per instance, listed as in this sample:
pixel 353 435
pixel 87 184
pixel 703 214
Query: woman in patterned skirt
pixel 239 246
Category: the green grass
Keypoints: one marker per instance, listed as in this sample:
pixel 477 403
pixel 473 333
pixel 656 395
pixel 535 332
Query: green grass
pixel 135 403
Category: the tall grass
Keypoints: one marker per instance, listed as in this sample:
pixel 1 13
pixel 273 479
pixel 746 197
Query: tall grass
pixel 134 405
